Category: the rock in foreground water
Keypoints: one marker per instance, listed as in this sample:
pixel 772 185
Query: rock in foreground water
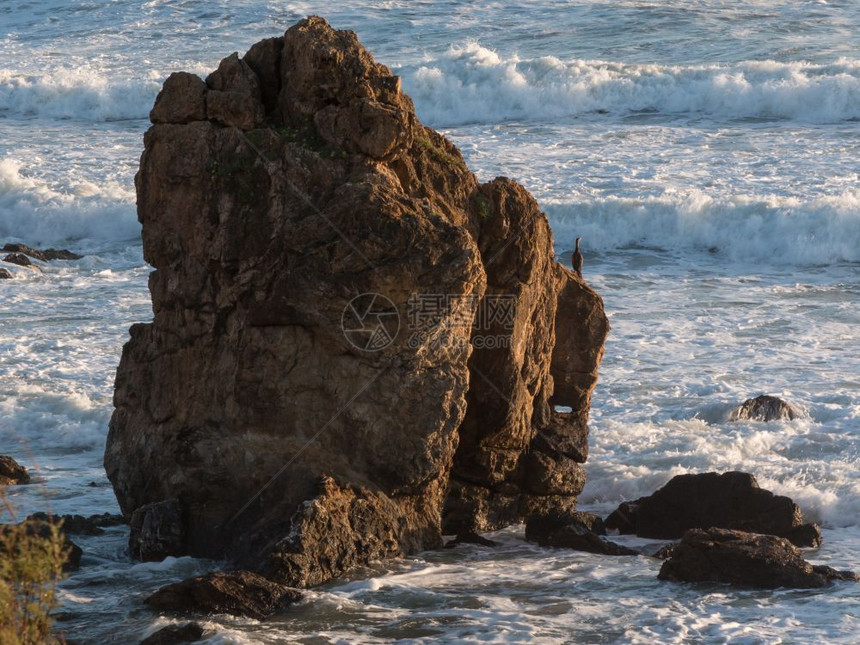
pixel 240 593
pixel 764 408
pixel 746 559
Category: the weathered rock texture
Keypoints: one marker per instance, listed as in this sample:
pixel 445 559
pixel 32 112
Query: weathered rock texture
pixel 11 472
pixel 747 559
pixel 731 500
pixel 764 408
pixel 291 182
pixel 241 593
pixel 156 531
pixel 577 531
pixel 175 634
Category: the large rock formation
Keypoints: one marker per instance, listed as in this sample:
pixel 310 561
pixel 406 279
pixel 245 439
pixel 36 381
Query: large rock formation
pixel 324 265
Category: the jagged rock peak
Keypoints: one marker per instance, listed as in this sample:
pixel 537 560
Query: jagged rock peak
pixel 353 340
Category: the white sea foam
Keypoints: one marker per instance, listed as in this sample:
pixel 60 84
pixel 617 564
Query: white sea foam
pixel 37 213
pixel 76 93
pixel 473 84
pixel 747 228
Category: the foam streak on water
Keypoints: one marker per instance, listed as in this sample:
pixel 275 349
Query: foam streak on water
pixel 706 151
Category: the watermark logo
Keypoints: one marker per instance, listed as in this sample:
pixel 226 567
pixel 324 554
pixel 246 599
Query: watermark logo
pixel 370 322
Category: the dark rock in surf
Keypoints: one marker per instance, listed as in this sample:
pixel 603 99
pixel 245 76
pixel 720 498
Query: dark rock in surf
pixel 5 274
pixel 574 531
pixel 11 472
pixel 156 531
pixel 295 181
pixel 176 634
pixel 21 260
pixel 240 593
pixel 731 500
pixel 745 559
pixel 764 408
pixel 45 256
pixel 44 529
pixel 471 538
pixel 71 524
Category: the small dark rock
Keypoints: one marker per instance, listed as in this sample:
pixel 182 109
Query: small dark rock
pixel 566 531
pixel 26 250
pixel 21 260
pixel 175 634
pixel 470 537
pixel 156 531
pixel 746 559
pixel 835 574
pixel 72 524
pixel 5 274
pixel 764 408
pixel 60 254
pixel 805 535
pixel 11 472
pixel 45 256
pixel 623 518
pixel 591 521
pixel 104 520
pixel 43 529
pixel 241 593
pixel 730 500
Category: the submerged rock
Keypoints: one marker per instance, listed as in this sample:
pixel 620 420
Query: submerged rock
pixel 354 341
pixel 175 634
pixel 11 472
pixel 471 537
pixel 45 256
pixel 5 274
pixel 72 524
pixel 240 593
pixel 571 532
pixel 747 559
pixel 42 529
pixel 731 500
pixel 764 408
pixel 21 260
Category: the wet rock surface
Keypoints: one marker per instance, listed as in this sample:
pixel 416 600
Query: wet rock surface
pixel 21 260
pixel 5 274
pixel 156 531
pixel 175 634
pixel 46 255
pixel 42 529
pixel 73 524
pixel 294 209
pixel 744 559
pixel 569 531
pixel 11 472
pixel 240 593
pixel 731 500
pixel 764 408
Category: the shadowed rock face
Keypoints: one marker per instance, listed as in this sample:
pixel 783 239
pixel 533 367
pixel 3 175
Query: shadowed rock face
pixel 747 559
pixel 731 500
pixel 764 408
pixel 274 197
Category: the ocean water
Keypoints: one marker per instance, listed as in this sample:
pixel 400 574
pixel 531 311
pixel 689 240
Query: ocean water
pixel 708 153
